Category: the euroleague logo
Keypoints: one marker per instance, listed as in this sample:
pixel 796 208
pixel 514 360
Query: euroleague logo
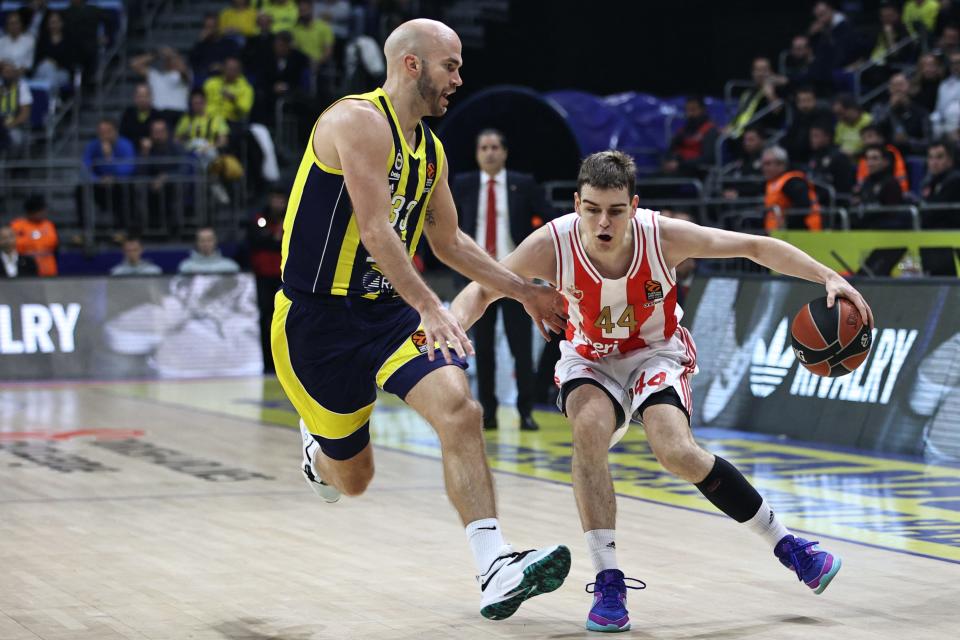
pixel 654 290
pixel 419 340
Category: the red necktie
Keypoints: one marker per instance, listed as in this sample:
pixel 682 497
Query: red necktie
pixel 491 239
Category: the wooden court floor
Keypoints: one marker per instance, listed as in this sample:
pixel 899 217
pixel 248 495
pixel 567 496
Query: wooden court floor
pixel 175 510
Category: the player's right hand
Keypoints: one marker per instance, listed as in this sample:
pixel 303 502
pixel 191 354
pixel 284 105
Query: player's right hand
pixel 442 329
pixel 545 306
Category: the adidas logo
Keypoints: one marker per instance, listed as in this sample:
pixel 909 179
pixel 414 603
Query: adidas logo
pixel 770 364
pixel 611 545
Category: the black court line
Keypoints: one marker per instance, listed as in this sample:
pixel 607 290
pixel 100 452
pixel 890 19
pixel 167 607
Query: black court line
pixel 254 421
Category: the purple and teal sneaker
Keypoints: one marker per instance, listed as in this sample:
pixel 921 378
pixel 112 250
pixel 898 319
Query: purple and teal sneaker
pixel 609 611
pixel 814 567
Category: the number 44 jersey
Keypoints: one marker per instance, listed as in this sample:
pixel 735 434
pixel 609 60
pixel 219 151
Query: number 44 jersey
pixel 619 316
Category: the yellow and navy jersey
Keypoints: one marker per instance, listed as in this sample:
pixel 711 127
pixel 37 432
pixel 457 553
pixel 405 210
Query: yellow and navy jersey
pixel 10 100
pixel 322 251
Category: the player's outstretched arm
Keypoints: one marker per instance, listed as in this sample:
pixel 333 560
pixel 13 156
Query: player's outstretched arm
pixel 363 142
pixel 681 240
pixel 532 259
pixel 459 251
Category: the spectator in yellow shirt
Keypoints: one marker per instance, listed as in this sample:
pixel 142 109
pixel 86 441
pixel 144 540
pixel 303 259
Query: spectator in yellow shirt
pixel 229 95
pixel 851 119
pixel 922 12
pixel 312 36
pixel 239 19
pixel 283 12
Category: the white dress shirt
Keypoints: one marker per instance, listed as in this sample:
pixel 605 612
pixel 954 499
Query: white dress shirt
pixel 504 240
pixel 10 263
pixel 168 89
pixel 19 51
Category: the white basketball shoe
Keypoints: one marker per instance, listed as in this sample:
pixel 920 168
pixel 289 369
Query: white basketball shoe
pixel 517 576
pixel 311 447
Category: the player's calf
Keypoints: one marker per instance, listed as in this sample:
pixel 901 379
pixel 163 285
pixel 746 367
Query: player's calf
pixel 329 477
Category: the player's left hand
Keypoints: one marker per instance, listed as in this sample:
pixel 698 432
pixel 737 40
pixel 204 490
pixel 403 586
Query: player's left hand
pixel 837 287
pixel 545 305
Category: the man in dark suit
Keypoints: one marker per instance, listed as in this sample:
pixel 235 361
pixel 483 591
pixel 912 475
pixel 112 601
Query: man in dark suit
pixel 14 264
pixel 499 208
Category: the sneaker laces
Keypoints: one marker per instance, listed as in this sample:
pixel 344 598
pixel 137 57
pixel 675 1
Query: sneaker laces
pixel 797 557
pixel 516 555
pixel 610 591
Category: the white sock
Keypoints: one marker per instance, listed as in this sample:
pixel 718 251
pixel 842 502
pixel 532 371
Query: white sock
pixel 766 524
pixel 603 548
pixel 486 540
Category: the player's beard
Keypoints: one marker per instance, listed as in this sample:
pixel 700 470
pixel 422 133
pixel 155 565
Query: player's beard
pixel 430 95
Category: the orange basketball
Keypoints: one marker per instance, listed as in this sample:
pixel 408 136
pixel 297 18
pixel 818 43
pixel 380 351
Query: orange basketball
pixel 830 342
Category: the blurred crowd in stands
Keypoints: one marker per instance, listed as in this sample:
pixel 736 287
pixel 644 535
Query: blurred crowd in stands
pixel 854 125
pixel 860 117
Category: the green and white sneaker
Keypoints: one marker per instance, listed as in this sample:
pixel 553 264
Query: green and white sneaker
pixel 517 576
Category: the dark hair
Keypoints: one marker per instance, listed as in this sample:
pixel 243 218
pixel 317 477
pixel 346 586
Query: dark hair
pixel 847 101
pixel 824 126
pixel 490 131
pixel 875 147
pixel 698 99
pixel 284 36
pixel 132 238
pixel 806 88
pixel 947 148
pixel 198 92
pixel 608 170
pixel 875 129
pixel 755 129
pixel 34 202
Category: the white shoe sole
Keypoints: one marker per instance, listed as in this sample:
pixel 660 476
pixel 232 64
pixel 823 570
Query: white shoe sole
pixel 326 492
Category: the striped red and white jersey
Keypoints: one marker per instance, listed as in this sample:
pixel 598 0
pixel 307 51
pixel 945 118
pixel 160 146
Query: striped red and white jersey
pixel 616 316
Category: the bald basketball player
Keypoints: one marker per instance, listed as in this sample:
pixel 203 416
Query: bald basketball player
pixel 626 357
pixel 354 315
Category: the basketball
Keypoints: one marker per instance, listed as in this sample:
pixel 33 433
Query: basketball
pixel 830 342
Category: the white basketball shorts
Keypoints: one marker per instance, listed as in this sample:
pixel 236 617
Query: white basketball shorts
pixel 633 377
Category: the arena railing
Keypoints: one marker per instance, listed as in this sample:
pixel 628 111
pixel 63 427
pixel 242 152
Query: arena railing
pixel 863 213
pixel 180 206
pixel 863 98
pixel 111 61
pixel 721 182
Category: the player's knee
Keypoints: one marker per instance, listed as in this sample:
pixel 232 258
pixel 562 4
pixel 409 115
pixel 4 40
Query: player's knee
pixel 356 482
pixel 682 459
pixel 462 419
pixel 592 432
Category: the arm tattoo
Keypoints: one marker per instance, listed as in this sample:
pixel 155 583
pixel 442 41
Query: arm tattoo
pixel 431 219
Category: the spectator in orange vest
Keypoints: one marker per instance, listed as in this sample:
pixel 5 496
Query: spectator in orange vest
pixel 872 135
pixel 787 190
pixel 37 236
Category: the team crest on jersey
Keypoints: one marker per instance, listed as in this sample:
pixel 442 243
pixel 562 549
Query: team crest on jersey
pixel 398 163
pixel 419 340
pixel 576 293
pixel 654 291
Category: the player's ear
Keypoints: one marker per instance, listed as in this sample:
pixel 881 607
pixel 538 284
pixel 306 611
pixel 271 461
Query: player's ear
pixel 576 202
pixel 412 62
pixel 635 202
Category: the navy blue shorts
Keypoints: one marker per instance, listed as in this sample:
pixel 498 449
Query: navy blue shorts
pixel 332 352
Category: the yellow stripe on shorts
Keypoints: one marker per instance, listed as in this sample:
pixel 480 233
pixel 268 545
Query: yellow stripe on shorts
pixel 404 354
pixel 319 420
